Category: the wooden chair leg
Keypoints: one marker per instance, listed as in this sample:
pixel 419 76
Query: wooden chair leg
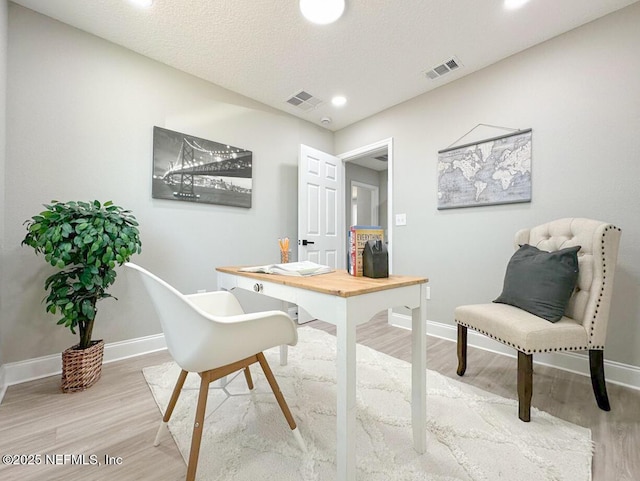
pixel 196 437
pixel 247 376
pixel 525 385
pixel 462 349
pixel 596 366
pixel 172 404
pixel 175 395
pixel 276 390
pixel 281 402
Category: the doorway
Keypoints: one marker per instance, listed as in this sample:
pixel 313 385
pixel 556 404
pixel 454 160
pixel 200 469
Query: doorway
pixel 364 203
pixel 369 170
pixel 322 207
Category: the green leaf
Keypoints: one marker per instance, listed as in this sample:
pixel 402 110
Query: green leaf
pixel 81 226
pixel 88 309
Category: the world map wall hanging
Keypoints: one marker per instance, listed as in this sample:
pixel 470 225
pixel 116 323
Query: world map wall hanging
pixel 488 172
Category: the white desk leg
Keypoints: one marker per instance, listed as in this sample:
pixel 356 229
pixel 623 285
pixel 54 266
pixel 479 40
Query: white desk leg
pixel 346 402
pixel 284 349
pixel 419 373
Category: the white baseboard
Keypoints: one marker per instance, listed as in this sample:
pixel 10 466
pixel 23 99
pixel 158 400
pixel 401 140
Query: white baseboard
pixel 3 384
pixel 30 369
pixel 615 372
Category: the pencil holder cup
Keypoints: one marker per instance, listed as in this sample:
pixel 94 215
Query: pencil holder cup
pixel 284 257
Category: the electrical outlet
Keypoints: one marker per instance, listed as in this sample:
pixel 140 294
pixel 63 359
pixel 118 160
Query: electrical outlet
pixel 293 313
pixel 401 219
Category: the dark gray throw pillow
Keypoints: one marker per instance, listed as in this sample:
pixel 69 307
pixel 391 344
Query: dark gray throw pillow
pixel 541 282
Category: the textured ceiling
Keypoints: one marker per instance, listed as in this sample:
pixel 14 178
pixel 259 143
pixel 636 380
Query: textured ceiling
pixel 375 55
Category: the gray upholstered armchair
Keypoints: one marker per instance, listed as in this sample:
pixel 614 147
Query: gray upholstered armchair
pixel 584 324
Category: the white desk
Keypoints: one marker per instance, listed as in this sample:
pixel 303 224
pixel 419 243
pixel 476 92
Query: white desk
pixel 347 301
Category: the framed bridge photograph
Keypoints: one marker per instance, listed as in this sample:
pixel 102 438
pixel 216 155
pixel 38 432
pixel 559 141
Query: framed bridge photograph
pixel 192 169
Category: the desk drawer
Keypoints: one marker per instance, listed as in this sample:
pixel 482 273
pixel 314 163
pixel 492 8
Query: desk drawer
pixel 270 289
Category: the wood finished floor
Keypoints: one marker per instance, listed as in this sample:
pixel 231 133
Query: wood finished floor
pixel 118 416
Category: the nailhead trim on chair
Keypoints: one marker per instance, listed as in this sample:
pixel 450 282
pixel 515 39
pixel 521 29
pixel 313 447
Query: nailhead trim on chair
pixel 529 351
pixel 604 278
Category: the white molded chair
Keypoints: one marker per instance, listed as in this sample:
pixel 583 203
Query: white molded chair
pixel 210 334
pixel 584 324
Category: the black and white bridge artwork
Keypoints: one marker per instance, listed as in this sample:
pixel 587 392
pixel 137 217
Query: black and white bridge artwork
pixel 192 169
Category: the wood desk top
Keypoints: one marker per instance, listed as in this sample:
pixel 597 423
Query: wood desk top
pixel 337 283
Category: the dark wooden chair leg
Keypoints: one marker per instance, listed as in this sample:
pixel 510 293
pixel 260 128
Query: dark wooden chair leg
pixel 596 365
pixel 525 385
pixel 462 349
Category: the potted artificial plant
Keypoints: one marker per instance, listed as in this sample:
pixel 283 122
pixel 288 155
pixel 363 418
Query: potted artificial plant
pixel 85 240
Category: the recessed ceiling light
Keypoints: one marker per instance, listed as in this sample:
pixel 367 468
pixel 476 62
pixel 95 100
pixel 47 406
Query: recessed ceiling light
pixel 513 4
pixel 338 100
pixel 142 3
pixel 322 11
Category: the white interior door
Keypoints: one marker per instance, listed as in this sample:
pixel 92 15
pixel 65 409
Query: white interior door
pixel 320 208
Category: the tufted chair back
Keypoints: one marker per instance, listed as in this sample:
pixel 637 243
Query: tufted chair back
pixel 599 241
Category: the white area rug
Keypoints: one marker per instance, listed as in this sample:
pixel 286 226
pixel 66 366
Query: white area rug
pixel 471 434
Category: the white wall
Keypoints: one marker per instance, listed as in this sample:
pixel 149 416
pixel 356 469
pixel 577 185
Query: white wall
pixel 580 93
pixel 3 143
pixel 81 113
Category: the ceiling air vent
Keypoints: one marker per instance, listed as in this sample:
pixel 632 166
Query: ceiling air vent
pixel 382 158
pixel 304 101
pixel 444 68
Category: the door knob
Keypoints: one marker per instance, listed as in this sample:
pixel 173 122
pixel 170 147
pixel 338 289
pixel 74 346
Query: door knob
pixel 305 242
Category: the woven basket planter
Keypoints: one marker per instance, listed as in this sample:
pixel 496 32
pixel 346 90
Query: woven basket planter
pixel 81 368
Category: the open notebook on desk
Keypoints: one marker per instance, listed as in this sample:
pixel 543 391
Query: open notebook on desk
pixel 301 268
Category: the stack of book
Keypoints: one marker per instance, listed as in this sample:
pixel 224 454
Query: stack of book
pixel 358 237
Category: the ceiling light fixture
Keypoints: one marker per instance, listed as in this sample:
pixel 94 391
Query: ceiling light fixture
pixel 513 4
pixel 338 100
pixel 322 11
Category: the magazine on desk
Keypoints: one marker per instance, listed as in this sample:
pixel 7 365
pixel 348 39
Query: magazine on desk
pixel 301 268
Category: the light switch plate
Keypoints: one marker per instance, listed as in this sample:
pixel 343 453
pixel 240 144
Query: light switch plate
pixel 401 219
